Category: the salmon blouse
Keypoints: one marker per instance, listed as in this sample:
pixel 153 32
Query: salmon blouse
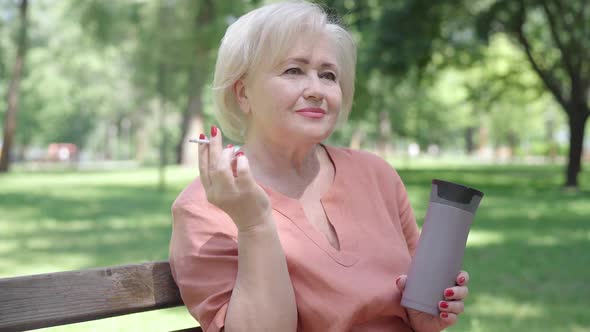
pixel 350 289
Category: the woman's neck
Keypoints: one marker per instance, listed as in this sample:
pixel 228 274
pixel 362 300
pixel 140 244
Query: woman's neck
pixel 286 167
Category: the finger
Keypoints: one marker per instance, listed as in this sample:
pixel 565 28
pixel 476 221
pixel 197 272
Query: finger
pixel 448 318
pixel 400 282
pixel 234 161
pixel 243 176
pixel 204 162
pixel 462 278
pixel 223 171
pixel 234 166
pixel 215 147
pixel 456 293
pixel 455 307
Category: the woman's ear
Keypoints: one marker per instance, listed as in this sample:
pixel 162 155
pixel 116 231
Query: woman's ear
pixel 239 89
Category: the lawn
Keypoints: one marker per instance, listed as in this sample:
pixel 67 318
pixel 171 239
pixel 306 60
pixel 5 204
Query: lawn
pixel 528 252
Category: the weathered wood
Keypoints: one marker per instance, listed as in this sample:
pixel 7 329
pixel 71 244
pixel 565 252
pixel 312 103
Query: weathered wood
pixel 44 300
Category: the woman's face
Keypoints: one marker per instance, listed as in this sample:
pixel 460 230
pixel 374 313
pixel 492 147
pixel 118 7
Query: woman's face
pixel 299 99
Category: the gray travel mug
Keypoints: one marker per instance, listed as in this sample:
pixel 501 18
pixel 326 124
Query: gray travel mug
pixel 439 255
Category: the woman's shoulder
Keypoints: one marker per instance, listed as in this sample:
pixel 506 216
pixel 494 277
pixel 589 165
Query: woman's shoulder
pixel 365 159
pixel 360 164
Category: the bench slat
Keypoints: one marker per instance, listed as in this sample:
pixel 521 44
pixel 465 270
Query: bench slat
pixel 44 300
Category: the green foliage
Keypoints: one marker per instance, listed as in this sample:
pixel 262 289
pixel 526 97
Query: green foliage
pixel 98 65
pixel 71 85
pixel 554 34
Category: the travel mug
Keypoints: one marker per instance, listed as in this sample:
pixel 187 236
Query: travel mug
pixel 439 255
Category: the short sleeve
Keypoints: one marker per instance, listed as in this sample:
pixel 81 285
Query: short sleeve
pixel 394 190
pixel 203 260
pixel 407 218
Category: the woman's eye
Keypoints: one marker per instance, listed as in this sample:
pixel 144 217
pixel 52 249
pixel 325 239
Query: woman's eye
pixel 293 71
pixel 329 76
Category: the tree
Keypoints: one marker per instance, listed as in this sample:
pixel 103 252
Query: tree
pixel 553 34
pixel 13 89
pixel 172 48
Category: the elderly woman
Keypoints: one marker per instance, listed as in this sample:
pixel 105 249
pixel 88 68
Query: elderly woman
pixel 290 234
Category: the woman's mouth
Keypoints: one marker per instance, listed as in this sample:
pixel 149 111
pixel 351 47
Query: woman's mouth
pixel 314 113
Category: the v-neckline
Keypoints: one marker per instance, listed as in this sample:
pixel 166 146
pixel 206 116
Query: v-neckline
pixel 292 209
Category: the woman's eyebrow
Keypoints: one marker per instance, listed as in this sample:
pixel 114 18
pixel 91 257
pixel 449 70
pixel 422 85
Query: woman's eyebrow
pixel 306 62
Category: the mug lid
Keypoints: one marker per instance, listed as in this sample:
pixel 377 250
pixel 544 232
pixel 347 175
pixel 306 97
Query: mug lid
pixel 455 192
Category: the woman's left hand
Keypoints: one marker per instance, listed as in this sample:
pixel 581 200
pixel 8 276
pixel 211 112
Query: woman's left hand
pixel 451 306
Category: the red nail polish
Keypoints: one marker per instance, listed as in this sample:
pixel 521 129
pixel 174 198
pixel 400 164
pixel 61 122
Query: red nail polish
pixel 240 153
pixel 449 293
pixel 213 131
pixel 229 146
pixel 461 280
pixel 444 315
pixel 444 305
pixel 202 136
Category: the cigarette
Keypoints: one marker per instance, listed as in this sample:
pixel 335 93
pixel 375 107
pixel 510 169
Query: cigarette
pixel 206 141
pixel 198 140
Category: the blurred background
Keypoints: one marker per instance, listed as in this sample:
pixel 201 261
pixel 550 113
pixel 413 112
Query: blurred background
pixel 99 98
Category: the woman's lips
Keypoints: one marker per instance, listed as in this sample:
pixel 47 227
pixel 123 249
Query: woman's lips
pixel 314 113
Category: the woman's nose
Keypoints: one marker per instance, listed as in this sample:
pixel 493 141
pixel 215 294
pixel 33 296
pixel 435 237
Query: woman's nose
pixel 313 88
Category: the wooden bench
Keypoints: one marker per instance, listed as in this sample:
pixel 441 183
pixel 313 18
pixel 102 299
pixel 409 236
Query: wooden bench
pixel 44 300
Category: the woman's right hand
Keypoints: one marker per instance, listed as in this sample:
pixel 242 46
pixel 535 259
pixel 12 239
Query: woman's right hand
pixel 229 184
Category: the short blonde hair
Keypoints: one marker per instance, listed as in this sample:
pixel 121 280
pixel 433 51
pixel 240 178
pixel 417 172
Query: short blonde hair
pixel 265 35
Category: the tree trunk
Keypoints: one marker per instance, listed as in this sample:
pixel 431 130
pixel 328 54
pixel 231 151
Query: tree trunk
pixel 141 133
pixel 13 91
pixel 577 123
pixel 384 137
pixel 469 141
pixel 191 122
pixel 161 83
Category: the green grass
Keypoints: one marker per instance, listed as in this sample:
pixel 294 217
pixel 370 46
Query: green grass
pixel 68 221
pixel 528 252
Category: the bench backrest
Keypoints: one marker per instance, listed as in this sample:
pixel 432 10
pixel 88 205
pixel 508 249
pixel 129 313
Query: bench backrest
pixel 44 300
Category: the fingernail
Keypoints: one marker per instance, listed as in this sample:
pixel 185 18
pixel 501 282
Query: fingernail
pixel 213 131
pixel 461 280
pixel 449 292
pixel 240 153
pixel 444 315
pixel 444 305
pixel 202 136
pixel 229 146
pixel 397 280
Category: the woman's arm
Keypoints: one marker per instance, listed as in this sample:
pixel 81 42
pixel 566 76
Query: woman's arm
pixel 263 298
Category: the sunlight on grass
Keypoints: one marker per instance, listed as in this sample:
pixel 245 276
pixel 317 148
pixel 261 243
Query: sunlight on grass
pixel 546 240
pixel 559 239
pixel 152 321
pixel 482 238
pixel 578 207
pixel 502 307
pixel 45 263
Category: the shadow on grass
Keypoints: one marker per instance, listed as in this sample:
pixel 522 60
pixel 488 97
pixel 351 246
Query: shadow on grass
pixel 526 282
pixel 529 258
pixel 528 253
pixel 90 227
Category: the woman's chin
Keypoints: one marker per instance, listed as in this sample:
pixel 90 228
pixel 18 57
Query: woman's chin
pixel 317 136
